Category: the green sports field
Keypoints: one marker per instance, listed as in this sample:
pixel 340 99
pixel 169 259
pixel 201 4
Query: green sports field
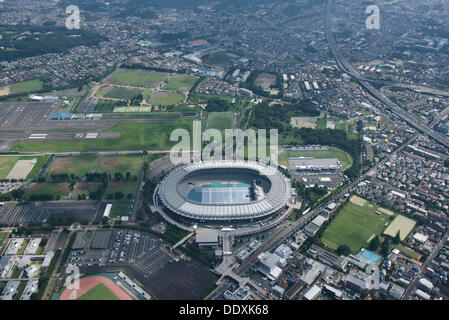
pixel 342 156
pixel 182 83
pixel 137 78
pixel 220 120
pixel 353 226
pixel 122 93
pixel 99 292
pixel 8 162
pixel 26 86
pixel 138 136
pixel 162 98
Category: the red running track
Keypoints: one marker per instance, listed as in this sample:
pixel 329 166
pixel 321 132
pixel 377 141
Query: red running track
pixel 88 283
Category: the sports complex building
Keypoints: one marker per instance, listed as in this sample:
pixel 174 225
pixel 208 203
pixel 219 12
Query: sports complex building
pixel 224 191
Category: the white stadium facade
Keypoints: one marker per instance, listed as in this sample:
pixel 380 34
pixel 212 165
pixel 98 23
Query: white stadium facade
pixel 224 191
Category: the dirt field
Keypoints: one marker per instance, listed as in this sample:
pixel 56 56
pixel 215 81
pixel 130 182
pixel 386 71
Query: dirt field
pixel 387 212
pixel 4 91
pixel 109 161
pixel 358 201
pixel 402 224
pixel 115 185
pixel 265 80
pixel 21 169
pixel 88 283
pixel 304 122
pixel 60 163
pixel 84 188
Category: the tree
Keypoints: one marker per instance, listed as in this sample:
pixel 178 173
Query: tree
pixel 118 195
pixel 397 238
pixel 374 244
pixel 385 247
pixel 343 250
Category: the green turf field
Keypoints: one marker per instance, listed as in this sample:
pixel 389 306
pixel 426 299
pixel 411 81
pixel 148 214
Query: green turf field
pixel 122 93
pixel 166 98
pixel 183 83
pixel 26 86
pixel 137 78
pixel 217 58
pixel 220 120
pixel 120 208
pixel 8 162
pixel 79 165
pixel 344 158
pixel 99 292
pixel 353 226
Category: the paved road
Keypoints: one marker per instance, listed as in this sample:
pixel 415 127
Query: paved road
pixel 423 269
pixel 344 65
pixel 294 226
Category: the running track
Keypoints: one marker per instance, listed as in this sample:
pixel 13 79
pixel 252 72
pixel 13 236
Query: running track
pixel 88 283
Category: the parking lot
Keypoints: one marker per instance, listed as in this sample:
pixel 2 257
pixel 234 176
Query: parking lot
pixel 76 210
pixel 23 214
pixel 25 114
pixel 141 250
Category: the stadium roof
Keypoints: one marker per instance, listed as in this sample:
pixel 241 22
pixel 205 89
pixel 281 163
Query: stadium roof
pixel 274 200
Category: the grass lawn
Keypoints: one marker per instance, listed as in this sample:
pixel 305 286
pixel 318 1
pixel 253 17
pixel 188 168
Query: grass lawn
pixel 99 292
pixel 183 83
pixel 55 145
pixel 166 98
pixel 407 251
pixel 353 226
pixel 342 156
pixel 220 120
pixel 122 164
pixel 16 273
pixel 138 136
pixel 128 187
pixel 20 290
pixel 3 236
pixel 26 86
pixel 137 78
pixel 120 208
pixel 54 188
pixel 122 93
pixel 79 165
pixel 23 247
pixel 8 162
pixel 154 115
pixel 292 60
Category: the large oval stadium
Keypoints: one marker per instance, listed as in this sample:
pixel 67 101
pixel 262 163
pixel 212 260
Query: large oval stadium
pixel 224 191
